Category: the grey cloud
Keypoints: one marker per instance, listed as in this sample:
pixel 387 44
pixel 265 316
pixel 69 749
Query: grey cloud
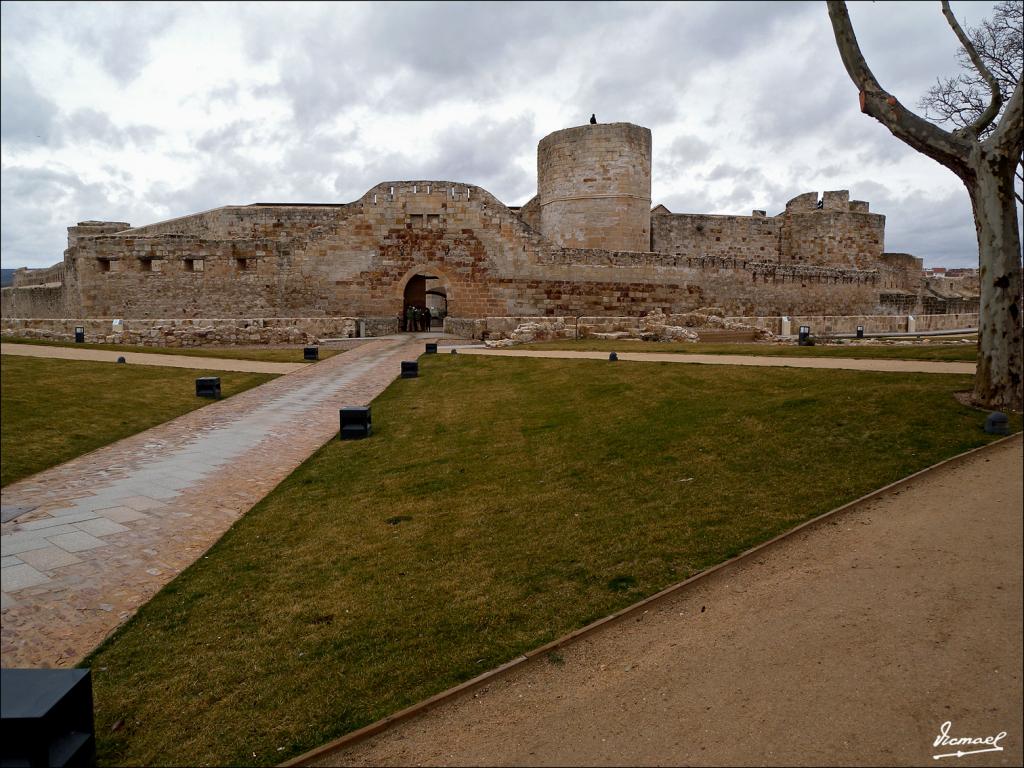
pixel 481 152
pixel 92 126
pixel 26 116
pixel 687 201
pixel 119 35
pixel 408 57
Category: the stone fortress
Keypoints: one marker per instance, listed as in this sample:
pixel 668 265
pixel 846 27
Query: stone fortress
pixel 588 250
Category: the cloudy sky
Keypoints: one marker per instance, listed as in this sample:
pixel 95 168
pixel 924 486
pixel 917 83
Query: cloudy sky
pixel 143 112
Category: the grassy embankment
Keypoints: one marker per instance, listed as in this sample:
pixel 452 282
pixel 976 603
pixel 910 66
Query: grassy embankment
pixel 54 410
pixel 944 351
pixel 261 354
pixel 499 504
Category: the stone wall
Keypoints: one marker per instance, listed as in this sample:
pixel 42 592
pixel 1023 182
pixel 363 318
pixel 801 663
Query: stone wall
pixel 48 276
pixel 904 272
pixel 834 234
pixel 355 261
pixel 34 301
pixel 755 238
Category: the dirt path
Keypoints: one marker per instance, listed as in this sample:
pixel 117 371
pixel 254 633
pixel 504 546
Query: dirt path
pixel 850 643
pixel 146 358
pixel 896 366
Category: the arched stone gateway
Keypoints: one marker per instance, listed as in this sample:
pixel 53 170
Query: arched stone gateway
pixel 427 292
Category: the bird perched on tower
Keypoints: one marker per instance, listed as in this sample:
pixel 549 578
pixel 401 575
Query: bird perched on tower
pixel 593 120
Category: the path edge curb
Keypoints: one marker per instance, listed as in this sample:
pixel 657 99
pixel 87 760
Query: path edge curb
pixel 671 591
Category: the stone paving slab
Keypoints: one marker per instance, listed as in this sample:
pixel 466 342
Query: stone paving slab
pixel 98 536
pixel 850 364
pixel 147 358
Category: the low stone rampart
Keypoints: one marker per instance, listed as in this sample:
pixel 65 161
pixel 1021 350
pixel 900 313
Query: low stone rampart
pixel 198 332
pixel 596 326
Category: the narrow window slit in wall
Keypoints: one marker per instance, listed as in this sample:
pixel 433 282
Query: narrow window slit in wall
pixel 242 264
pixel 145 265
pixel 104 264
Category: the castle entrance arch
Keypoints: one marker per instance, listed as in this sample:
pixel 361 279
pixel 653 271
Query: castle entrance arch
pixel 424 302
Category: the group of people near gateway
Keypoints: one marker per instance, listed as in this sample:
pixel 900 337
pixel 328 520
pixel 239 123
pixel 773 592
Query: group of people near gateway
pixel 416 318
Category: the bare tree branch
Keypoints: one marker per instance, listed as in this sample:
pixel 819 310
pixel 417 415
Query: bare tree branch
pixel 999 41
pixel 949 149
pixel 1008 138
pixel 995 103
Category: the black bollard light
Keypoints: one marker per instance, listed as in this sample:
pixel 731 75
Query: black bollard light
pixel 121 359
pixel 860 331
pixel 356 422
pixel 311 353
pixel 455 351
pixel 997 424
pixel 46 717
pixel 613 357
pixel 431 349
pixel 79 334
pixel 805 335
pixel 208 386
pixel 410 369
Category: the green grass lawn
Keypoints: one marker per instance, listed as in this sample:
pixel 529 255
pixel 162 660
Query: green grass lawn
pixel 933 351
pixel 262 354
pixel 54 410
pixel 499 504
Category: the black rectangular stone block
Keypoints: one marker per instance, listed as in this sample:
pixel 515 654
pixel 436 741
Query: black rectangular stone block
pixel 208 386
pixel 46 718
pixel 356 422
pixel 311 353
pixel 410 369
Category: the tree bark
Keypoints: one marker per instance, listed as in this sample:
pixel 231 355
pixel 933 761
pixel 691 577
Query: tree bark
pixel 986 169
pixel 998 381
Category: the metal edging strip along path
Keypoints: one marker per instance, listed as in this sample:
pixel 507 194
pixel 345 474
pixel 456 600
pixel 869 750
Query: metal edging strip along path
pixel 423 706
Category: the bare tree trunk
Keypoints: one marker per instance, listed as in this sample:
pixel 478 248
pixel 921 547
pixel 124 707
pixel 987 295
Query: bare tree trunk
pixel 998 382
pixel 986 168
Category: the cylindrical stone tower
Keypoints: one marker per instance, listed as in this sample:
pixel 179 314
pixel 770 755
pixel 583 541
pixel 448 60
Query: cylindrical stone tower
pixel 594 187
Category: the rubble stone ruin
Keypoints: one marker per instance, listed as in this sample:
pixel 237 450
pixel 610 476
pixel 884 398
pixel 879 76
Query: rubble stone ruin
pixel 587 245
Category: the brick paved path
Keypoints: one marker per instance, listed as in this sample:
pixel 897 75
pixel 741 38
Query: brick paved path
pixel 104 532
